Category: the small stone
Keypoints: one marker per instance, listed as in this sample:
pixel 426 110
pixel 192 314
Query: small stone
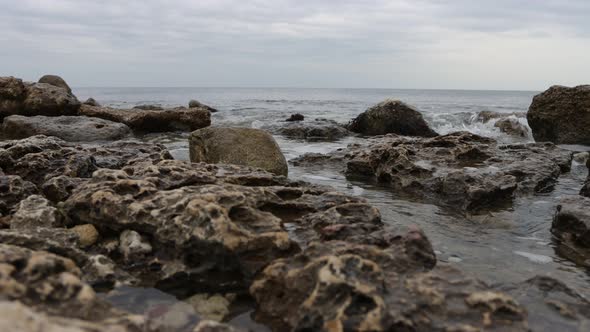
pixel 34 211
pixel 87 234
pixel 132 244
pixel 91 102
pixel 215 307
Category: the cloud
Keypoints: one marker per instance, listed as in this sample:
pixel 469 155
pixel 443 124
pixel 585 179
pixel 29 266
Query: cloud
pixel 372 43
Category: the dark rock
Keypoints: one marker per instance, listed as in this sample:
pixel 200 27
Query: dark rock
pixel 91 102
pixel 319 129
pixel 176 119
pixel 512 127
pixel 391 117
pixel 296 117
pixel 338 286
pixel 69 128
pixel 571 225
pixel 461 169
pixel 12 96
pixel 561 115
pixel 196 104
pixel 237 146
pixel 586 188
pixel 49 100
pixel 148 107
pixel 59 188
pixel 13 189
pixel 55 81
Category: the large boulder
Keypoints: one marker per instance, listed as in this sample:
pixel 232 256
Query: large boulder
pixel 391 117
pixel 176 119
pixel 339 286
pixel 69 128
pixel 55 81
pixel 238 146
pixel 561 115
pixel 12 96
pixel 462 170
pixel 46 99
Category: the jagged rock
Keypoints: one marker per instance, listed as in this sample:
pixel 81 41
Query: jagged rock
pixel 237 146
pixel 296 117
pixel 46 99
pixel 132 246
pixel 91 102
pixel 196 104
pixel 561 115
pixel 460 169
pixel 176 119
pixel 319 129
pixel 38 159
pixel 87 234
pixel 34 211
pixel 391 117
pixel 13 189
pixel 68 128
pixel 512 126
pixel 55 81
pixel 59 188
pixel 551 305
pixel 338 286
pixel 571 225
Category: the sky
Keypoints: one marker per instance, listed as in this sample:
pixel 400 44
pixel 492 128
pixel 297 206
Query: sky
pixel 425 44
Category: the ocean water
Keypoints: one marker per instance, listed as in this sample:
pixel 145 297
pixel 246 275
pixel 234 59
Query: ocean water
pixel 506 246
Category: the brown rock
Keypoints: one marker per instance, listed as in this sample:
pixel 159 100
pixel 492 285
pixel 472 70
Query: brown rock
pixel 87 234
pixel 55 81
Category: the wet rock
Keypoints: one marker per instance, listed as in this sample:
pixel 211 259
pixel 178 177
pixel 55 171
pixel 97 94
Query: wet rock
pixel 319 129
pixel 213 307
pixel 34 211
pixel 336 286
pixel 196 104
pixel 68 128
pixel 551 305
pixel 212 326
pixel 391 117
pixel 91 102
pixel 148 107
pixel 512 127
pixel 561 115
pixel 13 189
pixel 176 119
pixel 296 117
pixel 55 81
pixel 133 246
pixel 460 169
pixel 586 188
pixel 237 146
pixel 571 225
pixel 487 116
pixel 87 234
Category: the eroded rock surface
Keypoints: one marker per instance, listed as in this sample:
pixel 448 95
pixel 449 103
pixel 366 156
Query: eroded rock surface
pixel 197 104
pixel 460 169
pixel 176 119
pixel 337 286
pixel 571 225
pixel 318 129
pixel 561 115
pixel 68 128
pixel 391 117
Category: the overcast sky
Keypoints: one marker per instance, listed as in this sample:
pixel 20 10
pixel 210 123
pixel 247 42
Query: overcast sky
pixel 455 44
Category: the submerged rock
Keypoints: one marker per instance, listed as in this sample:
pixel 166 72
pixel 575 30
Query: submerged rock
pixel 175 119
pixel 238 146
pixel 295 117
pixel 391 117
pixel 68 128
pixel 55 81
pixel 561 115
pixel 460 169
pixel 338 286
pixel 318 129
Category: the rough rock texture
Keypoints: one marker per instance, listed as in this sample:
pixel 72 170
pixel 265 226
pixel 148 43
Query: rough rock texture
pixel 176 119
pixel 55 81
pixel 34 211
pixel 295 117
pixel 212 227
pixel 586 188
pixel 551 305
pixel 148 107
pixel 31 99
pixel 87 234
pixel 571 225
pixel 338 286
pixel 212 326
pixel 238 146
pixel 391 117
pixel 460 169
pixel 512 126
pixel 196 104
pixel 13 189
pixel 68 128
pixel 319 129
pixel 561 115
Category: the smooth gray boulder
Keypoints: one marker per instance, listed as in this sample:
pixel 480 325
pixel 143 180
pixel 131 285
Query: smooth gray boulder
pixel 68 128
pixel 238 146
pixel 391 117
pixel 55 81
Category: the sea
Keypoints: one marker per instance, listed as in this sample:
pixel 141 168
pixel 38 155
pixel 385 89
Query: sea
pixel 500 247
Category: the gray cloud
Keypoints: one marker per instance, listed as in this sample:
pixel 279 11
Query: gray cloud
pixel 375 43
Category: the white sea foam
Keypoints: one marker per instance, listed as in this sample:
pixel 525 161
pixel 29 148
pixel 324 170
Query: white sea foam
pixel 539 259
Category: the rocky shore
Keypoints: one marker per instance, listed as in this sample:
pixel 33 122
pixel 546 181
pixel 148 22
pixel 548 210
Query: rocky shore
pixel 89 214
